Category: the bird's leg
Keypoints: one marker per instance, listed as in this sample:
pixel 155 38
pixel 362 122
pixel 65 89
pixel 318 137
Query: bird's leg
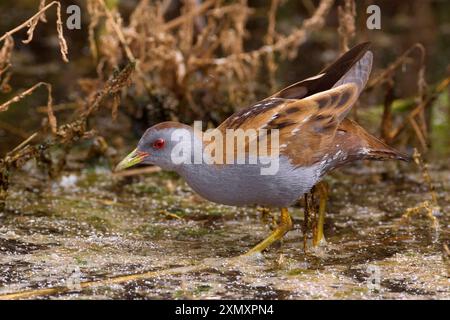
pixel 313 208
pixel 305 223
pixel 322 189
pixel 284 226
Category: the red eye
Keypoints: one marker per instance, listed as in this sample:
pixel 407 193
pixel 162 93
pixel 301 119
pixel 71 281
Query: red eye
pixel 158 143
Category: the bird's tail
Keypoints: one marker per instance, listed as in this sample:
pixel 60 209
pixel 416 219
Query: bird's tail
pixel 367 146
pixel 387 153
pixel 376 149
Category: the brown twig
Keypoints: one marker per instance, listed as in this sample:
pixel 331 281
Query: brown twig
pixel 270 36
pixel 118 31
pixel 187 16
pixel 384 75
pixel 23 143
pixel 31 24
pixel 416 118
pixel 386 121
pixel 346 30
pixel 430 208
pixel 34 22
pixel 6 51
pixel 51 117
pixel 65 134
pixel 296 38
pixel 138 171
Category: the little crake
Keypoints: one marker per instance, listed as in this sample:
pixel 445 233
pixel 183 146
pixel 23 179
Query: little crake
pixel 314 137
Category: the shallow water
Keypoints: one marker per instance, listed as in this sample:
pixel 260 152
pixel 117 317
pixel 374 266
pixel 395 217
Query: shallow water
pixel 74 234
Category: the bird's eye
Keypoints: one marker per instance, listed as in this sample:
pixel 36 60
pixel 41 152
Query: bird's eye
pixel 158 143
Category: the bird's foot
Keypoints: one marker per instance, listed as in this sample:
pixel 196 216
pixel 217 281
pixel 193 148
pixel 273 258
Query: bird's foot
pixel 283 227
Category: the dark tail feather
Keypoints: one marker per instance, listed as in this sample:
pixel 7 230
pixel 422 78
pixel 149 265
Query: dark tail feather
pixel 359 144
pixel 378 150
pixel 387 154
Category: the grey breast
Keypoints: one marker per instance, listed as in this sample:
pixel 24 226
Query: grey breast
pixel 243 184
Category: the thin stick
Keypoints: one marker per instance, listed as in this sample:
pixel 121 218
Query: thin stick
pixel 134 172
pixel 128 52
pixel 419 133
pixel 51 117
pixel 30 23
pixel 34 23
pixel 180 20
pixel 105 282
pixel 205 264
pixel 5 106
pixel 346 29
pixel 384 75
pixel 24 143
pixel 118 31
pixel 426 175
pixel 26 23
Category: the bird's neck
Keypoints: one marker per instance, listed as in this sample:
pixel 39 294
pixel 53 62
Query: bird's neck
pixel 188 152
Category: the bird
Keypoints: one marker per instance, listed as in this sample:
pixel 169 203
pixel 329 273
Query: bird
pixel 312 135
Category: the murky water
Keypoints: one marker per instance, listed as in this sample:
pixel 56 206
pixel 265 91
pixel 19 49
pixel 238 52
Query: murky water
pixel 140 232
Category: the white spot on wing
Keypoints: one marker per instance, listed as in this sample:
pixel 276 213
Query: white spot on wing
pixel 306 119
pixel 364 151
pixel 315 77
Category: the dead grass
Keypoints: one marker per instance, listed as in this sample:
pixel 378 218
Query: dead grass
pixel 32 23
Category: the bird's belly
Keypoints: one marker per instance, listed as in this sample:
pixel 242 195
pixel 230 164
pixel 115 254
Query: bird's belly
pixel 241 185
pixel 247 195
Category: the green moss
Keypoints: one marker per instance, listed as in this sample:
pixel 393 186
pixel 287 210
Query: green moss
pixel 150 230
pixel 196 232
pixel 100 224
pixel 80 261
pixel 351 292
pixel 202 288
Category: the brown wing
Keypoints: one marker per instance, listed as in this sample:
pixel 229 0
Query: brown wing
pixel 255 116
pixel 305 127
pixel 352 67
pixel 316 119
pixel 307 113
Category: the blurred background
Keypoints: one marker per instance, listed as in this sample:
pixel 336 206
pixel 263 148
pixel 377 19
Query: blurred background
pixel 203 60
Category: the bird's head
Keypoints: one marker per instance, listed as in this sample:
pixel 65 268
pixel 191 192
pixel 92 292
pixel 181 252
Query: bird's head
pixel 163 145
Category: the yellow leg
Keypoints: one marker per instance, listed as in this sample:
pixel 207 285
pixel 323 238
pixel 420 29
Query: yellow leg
pixel 283 227
pixel 322 189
